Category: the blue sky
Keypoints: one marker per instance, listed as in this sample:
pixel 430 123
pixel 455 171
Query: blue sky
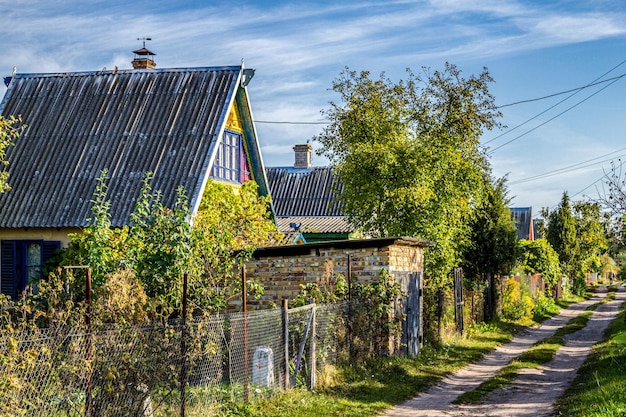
pixel 531 48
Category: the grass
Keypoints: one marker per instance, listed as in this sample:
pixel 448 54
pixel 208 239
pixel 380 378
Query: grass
pixel 599 388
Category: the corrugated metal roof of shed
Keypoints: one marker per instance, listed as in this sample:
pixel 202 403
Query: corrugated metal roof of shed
pixel 304 192
pixel 128 121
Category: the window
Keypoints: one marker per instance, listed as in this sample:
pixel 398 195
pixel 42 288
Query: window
pixel 21 262
pixel 231 163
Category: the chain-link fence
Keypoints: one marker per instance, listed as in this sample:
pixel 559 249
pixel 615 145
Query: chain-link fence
pixel 169 369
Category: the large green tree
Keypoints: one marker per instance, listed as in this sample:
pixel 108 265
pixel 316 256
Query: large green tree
pixel 409 157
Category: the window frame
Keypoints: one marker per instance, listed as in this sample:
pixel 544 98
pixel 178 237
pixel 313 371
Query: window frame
pixel 231 163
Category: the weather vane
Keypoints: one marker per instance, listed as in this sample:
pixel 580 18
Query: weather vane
pixel 144 39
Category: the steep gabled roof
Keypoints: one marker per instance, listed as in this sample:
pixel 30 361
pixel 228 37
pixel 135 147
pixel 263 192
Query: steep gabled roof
pixel 166 121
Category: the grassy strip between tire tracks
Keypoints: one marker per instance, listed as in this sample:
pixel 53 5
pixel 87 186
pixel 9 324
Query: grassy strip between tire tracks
pixel 599 388
pixel 541 352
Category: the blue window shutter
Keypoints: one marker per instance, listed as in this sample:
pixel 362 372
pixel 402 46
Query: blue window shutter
pixel 49 248
pixel 7 268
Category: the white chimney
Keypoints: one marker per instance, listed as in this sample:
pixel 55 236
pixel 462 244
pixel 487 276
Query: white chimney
pixel 303 156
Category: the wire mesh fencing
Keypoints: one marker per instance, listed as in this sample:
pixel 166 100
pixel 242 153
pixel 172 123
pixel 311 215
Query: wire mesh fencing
pixel 169 369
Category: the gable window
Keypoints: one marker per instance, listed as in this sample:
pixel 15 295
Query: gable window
pixel 231 163
pixel 21 263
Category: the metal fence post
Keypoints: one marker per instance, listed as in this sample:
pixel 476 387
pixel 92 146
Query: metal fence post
pixel 350 305
pixel 244 300
pixel 313 347
pixel 88 404
pixel 285 321
pixel 183 351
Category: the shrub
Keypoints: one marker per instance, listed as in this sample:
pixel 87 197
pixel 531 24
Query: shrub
pixel 516 304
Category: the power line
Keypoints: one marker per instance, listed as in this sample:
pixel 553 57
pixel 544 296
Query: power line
pixel 515 103
pixel 575 91
pixel 552 118
pixel 570 168
pixel 290 123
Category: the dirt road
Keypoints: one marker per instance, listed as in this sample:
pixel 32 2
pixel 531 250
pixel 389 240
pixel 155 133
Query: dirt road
pixel 534 391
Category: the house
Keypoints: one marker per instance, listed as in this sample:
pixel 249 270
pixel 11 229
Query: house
pixel 305 200
pixel 185 125
pixel 523 219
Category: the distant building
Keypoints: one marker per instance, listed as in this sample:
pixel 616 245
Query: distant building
pixel 305 199
pixel 523 218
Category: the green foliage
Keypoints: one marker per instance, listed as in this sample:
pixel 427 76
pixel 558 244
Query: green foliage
pixel 98 246
pixel 375 324
pixel 579 235
pixel 516 304
pixel 328 293
pixel 409 156
pixel 161 246
pixel 562 236
pixel 544 307
pixel 10 130
pixel 492 245
pixel 374 317
pixel 538 257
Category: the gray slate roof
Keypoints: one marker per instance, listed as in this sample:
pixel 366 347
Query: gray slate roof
pixel 307 196
pixel 304 192
pixel 165 121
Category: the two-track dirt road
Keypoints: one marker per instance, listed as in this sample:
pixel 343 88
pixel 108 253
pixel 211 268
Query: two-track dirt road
pixel 534 391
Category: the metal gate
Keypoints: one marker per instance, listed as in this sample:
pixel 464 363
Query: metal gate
pixel 458 299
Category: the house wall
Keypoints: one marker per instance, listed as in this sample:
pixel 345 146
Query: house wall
pixel 60 234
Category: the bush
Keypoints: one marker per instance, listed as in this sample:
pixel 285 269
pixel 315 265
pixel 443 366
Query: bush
pixel 516 304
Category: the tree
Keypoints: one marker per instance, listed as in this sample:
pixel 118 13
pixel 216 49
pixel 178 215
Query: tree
pixel 409 157
pixel 562 236
pixel 612 197
pixel 538 257
pixel 10 129
pixel 591 229
pixel 493 239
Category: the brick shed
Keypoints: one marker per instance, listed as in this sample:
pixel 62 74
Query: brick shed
pixel 282 269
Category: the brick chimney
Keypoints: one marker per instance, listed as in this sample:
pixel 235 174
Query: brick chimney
pixel 303 156
pixel 143 59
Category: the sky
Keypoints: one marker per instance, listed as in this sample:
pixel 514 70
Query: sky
pixel 535 50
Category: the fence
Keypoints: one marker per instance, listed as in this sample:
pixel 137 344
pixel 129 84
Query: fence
pixel 171 368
